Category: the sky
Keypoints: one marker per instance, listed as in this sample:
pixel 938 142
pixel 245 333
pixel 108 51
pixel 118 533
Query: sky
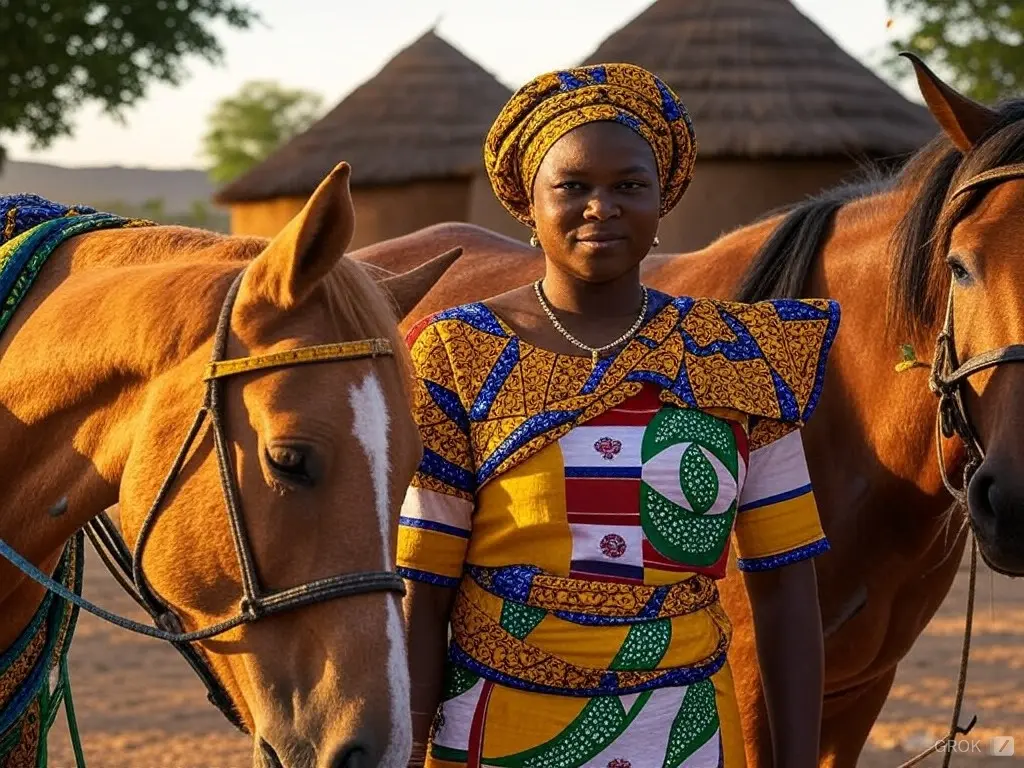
pixel 321 46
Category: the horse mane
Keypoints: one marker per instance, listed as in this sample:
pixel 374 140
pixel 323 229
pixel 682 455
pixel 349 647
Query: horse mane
pixel 782 265
pixel 356 303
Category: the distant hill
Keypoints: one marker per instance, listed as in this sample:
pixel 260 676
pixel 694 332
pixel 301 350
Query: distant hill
pixel 178 190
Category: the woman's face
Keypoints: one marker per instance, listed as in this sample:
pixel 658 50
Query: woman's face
pixel 596 201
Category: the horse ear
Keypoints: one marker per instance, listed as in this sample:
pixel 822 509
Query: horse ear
pixel 962 119
pixel 309 246
pixel 408 288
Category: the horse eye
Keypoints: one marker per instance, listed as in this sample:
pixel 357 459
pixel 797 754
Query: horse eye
pixel 960 273
pixel 289 464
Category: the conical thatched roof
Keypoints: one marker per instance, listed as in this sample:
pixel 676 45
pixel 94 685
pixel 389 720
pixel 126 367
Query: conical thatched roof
pixel 760 79
pixel 423 116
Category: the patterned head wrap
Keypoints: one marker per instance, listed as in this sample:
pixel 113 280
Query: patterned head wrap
pixel 551 105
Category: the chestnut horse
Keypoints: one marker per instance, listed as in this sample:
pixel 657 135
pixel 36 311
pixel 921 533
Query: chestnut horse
pixel 885 249
pixel 102 370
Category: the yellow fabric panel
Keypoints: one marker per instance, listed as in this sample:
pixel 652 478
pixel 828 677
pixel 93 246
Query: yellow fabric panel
pixel 433 762
pixel 658 577
pixel 730 724
pixel 521 517
pixel 431 551
pixel 548 716
pixel 778 528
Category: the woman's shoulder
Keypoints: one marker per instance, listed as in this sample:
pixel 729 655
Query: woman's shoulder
pixel 765 358
pixel 471 318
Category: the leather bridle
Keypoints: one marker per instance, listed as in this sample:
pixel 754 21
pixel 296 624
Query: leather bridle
pixel 948 377
pixel 255 602
pixel 947 380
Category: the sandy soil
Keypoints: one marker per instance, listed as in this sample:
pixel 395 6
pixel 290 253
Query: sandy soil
pixel 139 705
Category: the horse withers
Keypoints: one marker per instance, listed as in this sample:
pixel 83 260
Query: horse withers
pixel 283 513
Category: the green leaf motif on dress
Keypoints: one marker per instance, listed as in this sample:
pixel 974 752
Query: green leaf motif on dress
pixel 690 485
pixel 696 723
pixel 520 620
pixel 457 681
pixel 601 721
pixel 645 645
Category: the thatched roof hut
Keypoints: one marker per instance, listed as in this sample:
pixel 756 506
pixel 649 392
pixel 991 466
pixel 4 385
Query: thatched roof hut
pixel 760 79
pixel 779 109
pixel 413 135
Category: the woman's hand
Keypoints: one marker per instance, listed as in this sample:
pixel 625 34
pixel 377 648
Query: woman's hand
pixel 790 649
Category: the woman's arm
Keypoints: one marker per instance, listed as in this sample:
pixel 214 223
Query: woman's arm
pixel 427 610
pixel 790 649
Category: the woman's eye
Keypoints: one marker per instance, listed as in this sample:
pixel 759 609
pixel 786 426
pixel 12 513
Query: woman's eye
pixel 288 463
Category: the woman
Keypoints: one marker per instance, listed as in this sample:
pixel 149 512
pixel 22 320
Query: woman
pixel 591 446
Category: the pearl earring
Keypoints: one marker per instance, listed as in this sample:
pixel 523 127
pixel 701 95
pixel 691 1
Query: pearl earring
pixel 534 241
pixel 657 242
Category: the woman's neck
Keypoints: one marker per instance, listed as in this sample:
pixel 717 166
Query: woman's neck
pixel 568 294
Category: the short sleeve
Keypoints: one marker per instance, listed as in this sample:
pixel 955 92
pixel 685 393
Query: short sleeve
pixel 436 515
pixel 777 522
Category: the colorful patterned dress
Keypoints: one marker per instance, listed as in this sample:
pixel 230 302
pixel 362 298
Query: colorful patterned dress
pixel 584 515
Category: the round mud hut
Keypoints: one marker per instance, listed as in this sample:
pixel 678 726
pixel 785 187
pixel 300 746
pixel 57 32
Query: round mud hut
pixel 780 111
pixel 413 135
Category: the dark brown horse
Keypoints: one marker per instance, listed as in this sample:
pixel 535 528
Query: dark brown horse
pixel 888 250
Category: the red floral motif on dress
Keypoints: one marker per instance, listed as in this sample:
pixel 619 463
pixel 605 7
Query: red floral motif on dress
pixel 620 763
pixel 607 447
pixel 613 545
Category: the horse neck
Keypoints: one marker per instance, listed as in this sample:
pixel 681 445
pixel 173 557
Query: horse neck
pixel 104 320
pixel 894 408
pixel 867 406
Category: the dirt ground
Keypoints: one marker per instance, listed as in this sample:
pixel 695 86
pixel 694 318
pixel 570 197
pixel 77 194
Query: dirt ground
pixel 139 705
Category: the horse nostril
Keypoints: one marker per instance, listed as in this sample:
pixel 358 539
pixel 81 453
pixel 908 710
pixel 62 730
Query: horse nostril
pixel 983 497
pixel 351 755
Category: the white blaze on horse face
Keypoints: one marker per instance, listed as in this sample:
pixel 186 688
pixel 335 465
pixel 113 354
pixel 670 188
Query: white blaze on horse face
pixel 370 425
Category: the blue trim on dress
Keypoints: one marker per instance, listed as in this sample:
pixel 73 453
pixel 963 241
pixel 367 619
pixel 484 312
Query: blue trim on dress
pixel 476 315
pixel 433 525
pixel 426 577
pixel 834 314
pixel 609 686
pixel 754 564
pixel 779 497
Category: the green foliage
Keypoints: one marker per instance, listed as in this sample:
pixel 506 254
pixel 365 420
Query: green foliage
pixel 57 54
pixel 244 129
pixel 974 44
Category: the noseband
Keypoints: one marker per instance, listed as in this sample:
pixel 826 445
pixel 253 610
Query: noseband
pixel 255 602
pixel 948 377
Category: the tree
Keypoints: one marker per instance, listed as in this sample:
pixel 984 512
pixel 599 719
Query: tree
pixel 244 129
pixel 977 44
pixel 57 54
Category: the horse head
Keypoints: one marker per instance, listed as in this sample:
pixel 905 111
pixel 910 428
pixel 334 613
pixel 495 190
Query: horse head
pixel 977 267
pixel 316 450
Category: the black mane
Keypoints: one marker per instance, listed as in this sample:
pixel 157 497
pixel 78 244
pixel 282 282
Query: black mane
pixel 781 267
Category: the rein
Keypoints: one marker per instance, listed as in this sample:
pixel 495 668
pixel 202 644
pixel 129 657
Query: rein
pixel 946 380
pixel 255 603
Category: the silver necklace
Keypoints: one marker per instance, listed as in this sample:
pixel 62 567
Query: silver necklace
pixel 595 352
